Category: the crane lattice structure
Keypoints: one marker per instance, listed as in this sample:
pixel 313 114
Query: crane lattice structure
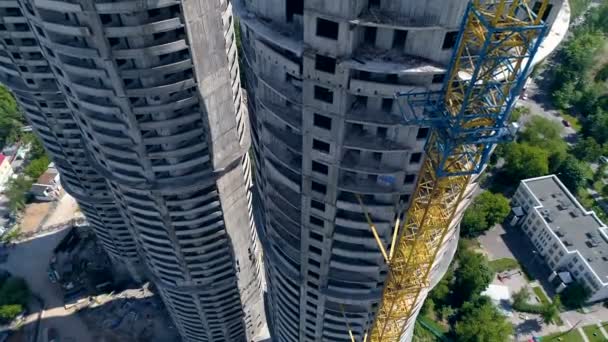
pixel 495 48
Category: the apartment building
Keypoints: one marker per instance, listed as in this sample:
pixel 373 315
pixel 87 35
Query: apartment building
pixel 571 240
pixel 143 99
pixel 327 130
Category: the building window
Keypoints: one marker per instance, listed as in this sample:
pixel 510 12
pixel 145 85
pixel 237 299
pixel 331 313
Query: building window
pixel 381 132
pixel 320 146
pixel 327 29
pixel 316 221
pixel 369 36
pixel 325 64
pixel 373 3
pixel 324 94
pixel 318 187
pixel 293 7
pixel 537 7
pixel 438 78
pixel 320 168
pixel 423 133
pixel 409 179
pixel 415 157
pixel 399 38
pixel 316 236
pixel 322 121
pixel 450 40
pixel 317 205
pixel 387 104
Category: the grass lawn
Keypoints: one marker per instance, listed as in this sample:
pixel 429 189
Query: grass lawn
pixel 594 329
pixel 572 336
pixel 540 294
pixel 504 264
pixel 574 123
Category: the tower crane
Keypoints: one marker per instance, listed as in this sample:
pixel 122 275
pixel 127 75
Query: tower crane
pixel 497 42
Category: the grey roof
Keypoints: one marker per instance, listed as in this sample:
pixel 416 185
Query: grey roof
pixel 578 229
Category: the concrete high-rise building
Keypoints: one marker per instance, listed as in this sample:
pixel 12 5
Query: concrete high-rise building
pixel 140 105
pixel 321 79
pixel 27 73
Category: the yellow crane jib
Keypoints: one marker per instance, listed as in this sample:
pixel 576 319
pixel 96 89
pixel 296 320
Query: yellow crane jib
pixel 497 42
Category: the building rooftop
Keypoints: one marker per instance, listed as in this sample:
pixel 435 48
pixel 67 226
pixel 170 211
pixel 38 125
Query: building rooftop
pixel 47 177
pixel 579 230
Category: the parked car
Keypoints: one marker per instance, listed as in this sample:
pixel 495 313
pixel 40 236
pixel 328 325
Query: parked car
pixel 565 123
pixel 604 160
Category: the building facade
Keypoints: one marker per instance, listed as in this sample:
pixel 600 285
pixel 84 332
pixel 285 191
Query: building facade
pixel 567 236
pixel 327 131
pixel 148 94
pixel 6 171
pixel 27 73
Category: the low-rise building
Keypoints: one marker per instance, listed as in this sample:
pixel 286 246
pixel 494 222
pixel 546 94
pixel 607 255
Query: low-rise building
pixel 571 239
pixel 47 187
pixel 6 171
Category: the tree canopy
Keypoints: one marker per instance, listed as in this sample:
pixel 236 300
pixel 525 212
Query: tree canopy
pixel 10 118
pixel 472 276
pixel 575 295
pixel 480 321
pixel 486 210
pixel 525 161
pixel 573 173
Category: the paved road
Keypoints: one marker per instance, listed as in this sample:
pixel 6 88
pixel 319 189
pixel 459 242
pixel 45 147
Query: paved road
pixel 30 260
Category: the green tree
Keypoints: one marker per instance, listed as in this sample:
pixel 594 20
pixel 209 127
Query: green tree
pixel 538 131
pixel 524 161
pixel 480 321
pixel 9 312
pixel 596 126
pixel 472 276
pixel 521 296
pixel 16 192
pixel 587 149
pixel 487 210
pixel 14 291
pixel 37 167
pixel 575 295
pixel 440 293
pixel 473 223
pixel 10 118
pixel 37 150
pixel 550 312
pixel 567 95
pixel 573 173
pixel 600 173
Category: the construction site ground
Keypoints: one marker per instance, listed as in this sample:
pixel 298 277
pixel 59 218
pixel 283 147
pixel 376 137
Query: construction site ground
pixel 66 208
pixel 33 216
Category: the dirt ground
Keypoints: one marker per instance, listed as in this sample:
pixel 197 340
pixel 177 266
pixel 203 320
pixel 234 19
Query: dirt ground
pixel 33 216
pixel 65 211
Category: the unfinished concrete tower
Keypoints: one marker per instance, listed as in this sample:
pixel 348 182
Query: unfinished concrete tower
pixel 154 90
pixel 25 71
pixel 322 77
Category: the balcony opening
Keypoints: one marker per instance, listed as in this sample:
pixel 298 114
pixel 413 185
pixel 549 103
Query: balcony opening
pixel 415 158
pixel 317 205
pixel 450 40
pixel 327 29
pixel 320 168
pixel 438 78
pixel 320 146
pixel 409 179
pixel 369 35
pixel 377 157
pixel 293 7
pixel 373 3
pixel 399 38
pixel 326 64
pixel 387 105
pixel 381 132
pixel 538 5
pixel 423 133
pixel 322 121
pixel 323 94
pixel 318 187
